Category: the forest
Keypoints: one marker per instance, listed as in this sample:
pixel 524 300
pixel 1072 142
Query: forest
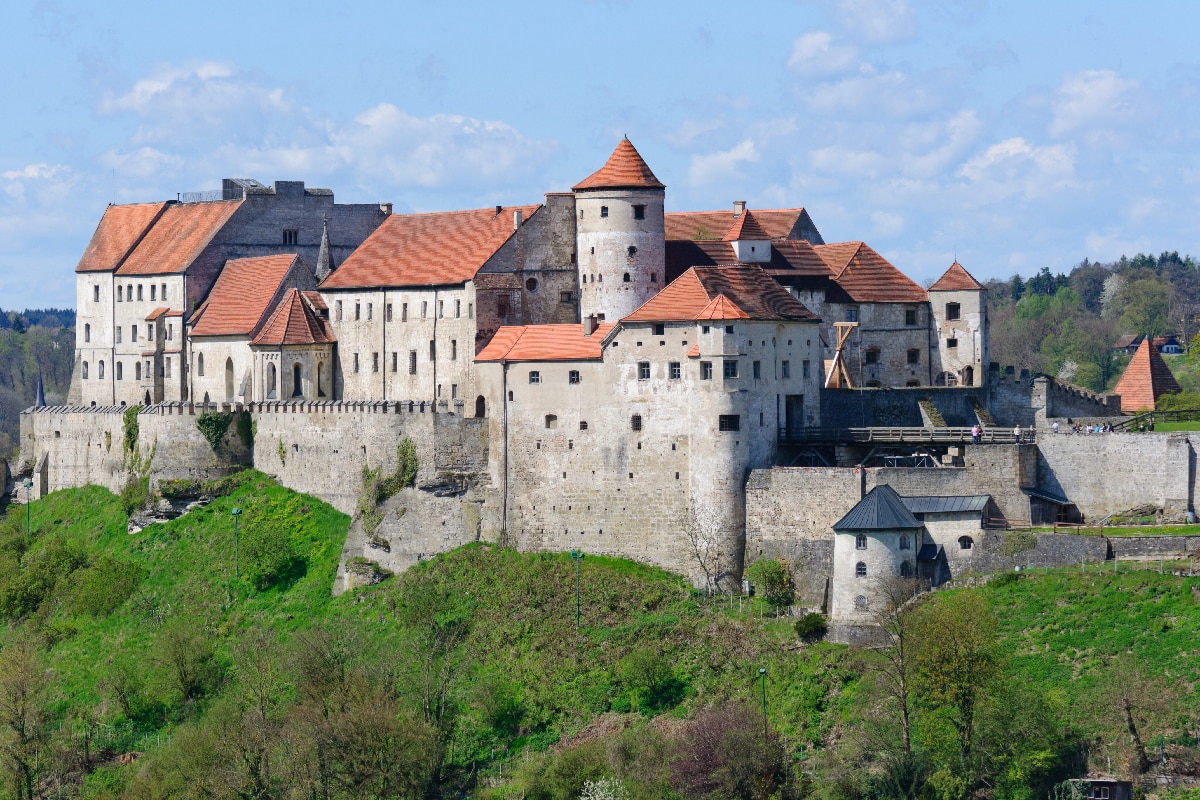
pixel 31 342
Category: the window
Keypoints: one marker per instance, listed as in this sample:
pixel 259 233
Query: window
pixel 860 602
pixel 425 309
pixel 905 569
pixel 965 543
pixel 395 361
pixel 603 211
pixel 404 312
pixel 291 237
pixel 370 310
pixel 139 292
pixel 729 422
pixel 951 343
pixel 470 311
pixel 387 312
pixel 873 384
pixel 904 541
pixel 630 251
pixel 872 355
pixel 910 316
pixel 356 362
pixel 860 542
pixel 729 369
pixel 441 308
pixel 502 308
pixel 357 311
pixel 95 294
pixel 583 424
pixel 337 310
pixel 860 570
pixel 85 370
pixel 660 329
pixel 785 369
pixel 674 370
pixel 706 370
pixel 531 284
pixel 806 369
pixel 120 295
pixel 573 377
pixel 133 333
pixel 170 331
pixel 914 356
pixel 153 292
pixel 565 297
pixel 535 376
pixel 100 370
pixel 374 362
pixel 120 371
pixel 756 370
pixel 625 279
pixel 643 370
pixel 163 293
pixel 551 421
pixel 117 332
pixel 87 333
pixel 635 422
pixel 639 212
pixel 432 350
pixel 952 311
pixel 412 362
pixel 454 349
pixel 200 365
pixel 167 367
pixel 729 329
pixel 298 385
pixel 851 315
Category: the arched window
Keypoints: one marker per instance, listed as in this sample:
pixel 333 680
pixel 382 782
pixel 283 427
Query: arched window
pixel 272 382
pixel 120 371
pixel 229 379
pixel 631 251
pixel 860 569
pixel 626 278
pixel 480 407
pixel 100 370
pixel 320 383
pixel 297 386
pixel 200 364
pixel 860 603
pixel 905 569
pixel 137 371
pixel 85 370
pixel 120 295
pixel 860 542
pixel 87 332
pixel 965 543
pixel 904 541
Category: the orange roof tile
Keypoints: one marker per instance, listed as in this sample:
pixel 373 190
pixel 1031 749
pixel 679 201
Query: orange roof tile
pixel 120 229
pixel 295 321
pixel 722 307
pixel 624 169
pixel 956 279
pixel 239 299
pixel 868 277
pixel 158 312
pixel 695 351
pixel 1145 379
pixel 745 227
pixel 789 257
pixel 177 238
pixel 698 225
pixel 746 288
pixel 546 343
pixel 421 249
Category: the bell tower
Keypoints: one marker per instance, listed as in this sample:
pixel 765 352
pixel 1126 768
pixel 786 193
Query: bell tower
pixel 620 235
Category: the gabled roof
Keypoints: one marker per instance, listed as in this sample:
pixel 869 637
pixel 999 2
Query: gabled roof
pixel 156 313
pixel 446 247
pixel 625 169
pixel 881 510
pixel 295 321
pixel 178 236
pixel 239 300
pixel 1146 379
pixel 956 279
pixel 745 228
pixel 119 231
pixel 789 258
pixel 868 277
pixel 743 288
pixel 546 343
pixel 700 225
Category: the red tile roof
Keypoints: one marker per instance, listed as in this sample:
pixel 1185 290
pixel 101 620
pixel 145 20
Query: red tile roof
pixel 158 312
pixel 1146 379
pixel 722 307
pixel 295 321
pixel 956 279
pixel 546 343
pixel 119 230
pixel 238 301
pixel 624 169
pixel 868 277
pixel 746 288
pixel 697 225
pixel 421 249
pixel 178 237
pixel 745 227
pixel 789 257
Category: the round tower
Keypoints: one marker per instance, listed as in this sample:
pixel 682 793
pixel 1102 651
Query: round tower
pixel 620 236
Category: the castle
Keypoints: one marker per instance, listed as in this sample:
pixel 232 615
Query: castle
pixel 589 372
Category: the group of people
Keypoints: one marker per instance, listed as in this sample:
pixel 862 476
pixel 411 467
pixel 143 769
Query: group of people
pixel 1026 435
pixel 1099 427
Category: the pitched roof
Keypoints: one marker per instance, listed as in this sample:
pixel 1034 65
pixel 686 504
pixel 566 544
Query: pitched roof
pixel 927 504
pixel 119 230
pixel 956 279
pixel 156 313
pixel 177 237
pixel 699 225
pixel 744 289
pixel 745 227
pixel 1145 379
pixel 445 247
pixel 722 307
pixel 624 169
pixel 240 298
pixel 295 321
pixel 881 510
pixel 789 258
pixel 868 277
pixel 546 343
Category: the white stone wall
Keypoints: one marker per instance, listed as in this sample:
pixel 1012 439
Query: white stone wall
pixel 946 529
pixel 882 558
pixel 969 359
pixel 94 336
pixel 216 352
pixel 274 374
pixel 604 250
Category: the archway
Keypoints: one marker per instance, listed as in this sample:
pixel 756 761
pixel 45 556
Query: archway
pixel 146 399
pixel 480 406
pixel 968 376
pixel 297 386
pixel 229 379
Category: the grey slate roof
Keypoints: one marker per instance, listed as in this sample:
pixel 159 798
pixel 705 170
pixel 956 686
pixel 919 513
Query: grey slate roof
pixel 1043 494
pixel 927 504
pixel 930 552
pixel 881 510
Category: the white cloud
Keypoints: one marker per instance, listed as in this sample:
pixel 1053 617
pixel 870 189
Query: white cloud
pixel 878 21
pixel 816 53
pixel 721 166
pixel 1097 97
pixel 1015 166
pixel 837 159
pixel 887 223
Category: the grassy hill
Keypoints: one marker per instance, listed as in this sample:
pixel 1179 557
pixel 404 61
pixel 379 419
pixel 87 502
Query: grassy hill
pixel 150 670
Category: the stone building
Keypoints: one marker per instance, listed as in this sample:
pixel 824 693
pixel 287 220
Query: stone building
pixel 959 305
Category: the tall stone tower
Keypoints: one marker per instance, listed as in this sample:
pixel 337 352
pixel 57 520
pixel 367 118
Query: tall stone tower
pixel 959 305
pixel 620 235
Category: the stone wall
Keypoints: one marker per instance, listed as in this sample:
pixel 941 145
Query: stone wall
pixel 1154 546
pixel 857 408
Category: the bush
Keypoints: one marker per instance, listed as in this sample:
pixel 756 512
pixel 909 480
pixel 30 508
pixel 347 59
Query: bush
pixel 1005 579
pixel 811 627
pixel 103 586
pixel 774 579
pixel 268 556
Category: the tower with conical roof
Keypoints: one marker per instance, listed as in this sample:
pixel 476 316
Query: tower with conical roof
pixel 620 235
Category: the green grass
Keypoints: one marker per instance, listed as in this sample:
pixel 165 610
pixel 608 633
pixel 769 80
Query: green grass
pixel 1160 427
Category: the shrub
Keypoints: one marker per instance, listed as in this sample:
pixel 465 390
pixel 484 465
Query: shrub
pixel 1005 579
pixel 268 556
pixel 214 426
pixel 131 429
pixel 103 586
pixel 774 579
pixel 811 627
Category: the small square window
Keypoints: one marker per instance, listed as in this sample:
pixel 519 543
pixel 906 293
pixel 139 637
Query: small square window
pixel 566 297
pixel 914 356
pixel 706 370
pixel 729 329
pixel 643 370
pixel 535 376
pixel 704 329
pixel 910 316
pixel 675 370
pixel 659 329
pixel 635 422
pixel 639 212
pixel 603 211
pixel 952 343
pixel 851 315
pixel 729 422
pixel 952 310
pixel 729 369
pixel 573 377
pixel 871 356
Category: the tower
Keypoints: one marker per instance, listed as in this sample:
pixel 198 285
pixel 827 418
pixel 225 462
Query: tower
pixel 959 305
pixel 620 235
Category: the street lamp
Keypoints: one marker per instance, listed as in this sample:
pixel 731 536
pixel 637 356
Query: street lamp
pixel 762 673
pixel 577 557
pixel 237 512
pixel 28 498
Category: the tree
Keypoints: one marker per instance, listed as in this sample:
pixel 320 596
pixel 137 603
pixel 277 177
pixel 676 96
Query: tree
pixel 1134 701
pixel 724 752
pixel 23 682
pixel 772 578
pixel 895 614
pixel 704 543
pixel 186 655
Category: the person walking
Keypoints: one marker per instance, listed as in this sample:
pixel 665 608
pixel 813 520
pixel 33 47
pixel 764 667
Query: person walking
pixel 976 431
pixel 1055 426
pixel 1017 433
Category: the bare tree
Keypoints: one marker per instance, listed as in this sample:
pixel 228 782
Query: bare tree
pixel 1136 700
pixel 894 614
pixel 704 543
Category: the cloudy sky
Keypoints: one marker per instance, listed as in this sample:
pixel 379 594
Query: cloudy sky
pixel 1014 134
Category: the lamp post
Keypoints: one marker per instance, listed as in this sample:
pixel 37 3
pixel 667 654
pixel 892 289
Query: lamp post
pixel 762 673
pixel 28 498
pixel 237 512
pixel 577 557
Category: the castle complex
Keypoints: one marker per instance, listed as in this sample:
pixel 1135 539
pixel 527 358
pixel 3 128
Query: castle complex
pixel 589 372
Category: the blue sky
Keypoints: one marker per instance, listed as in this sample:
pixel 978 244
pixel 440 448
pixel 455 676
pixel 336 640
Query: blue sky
pixel 1012 134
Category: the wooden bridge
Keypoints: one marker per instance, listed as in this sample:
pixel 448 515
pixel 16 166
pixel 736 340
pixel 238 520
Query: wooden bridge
pixel 899 435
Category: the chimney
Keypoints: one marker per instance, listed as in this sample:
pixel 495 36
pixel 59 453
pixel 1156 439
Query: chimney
pixel 386 208
pixel 498 210
pixel 590 324
pixel 739 208
pixel 518 217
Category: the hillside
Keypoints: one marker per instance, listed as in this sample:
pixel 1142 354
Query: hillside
pixel 153 672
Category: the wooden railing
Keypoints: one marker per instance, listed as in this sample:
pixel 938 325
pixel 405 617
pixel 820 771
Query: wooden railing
pixel 901 435
pixel 1134 422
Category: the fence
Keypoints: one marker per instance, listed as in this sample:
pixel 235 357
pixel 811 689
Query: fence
pixel 904 435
